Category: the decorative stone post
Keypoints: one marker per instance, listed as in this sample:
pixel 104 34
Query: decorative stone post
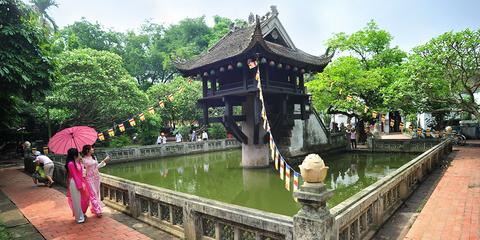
pixel 314 220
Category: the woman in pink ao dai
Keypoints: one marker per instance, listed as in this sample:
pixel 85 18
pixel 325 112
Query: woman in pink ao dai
pixel 92 177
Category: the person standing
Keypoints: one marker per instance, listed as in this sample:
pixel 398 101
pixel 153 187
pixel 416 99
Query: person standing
pixel 178 137
pixel 92 178
pixel 77 188
pixel 194 136
pixel 160 139
pixel 47 166
pixel 204 136
pixel 353 138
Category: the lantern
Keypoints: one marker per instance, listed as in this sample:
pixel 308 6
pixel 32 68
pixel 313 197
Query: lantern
pixel 375 114
pixel 161 104
pixel 45 150
pixel 251 63
pixel 392 122
pixel 366 109
pixel 401 126
pixel 111 132
pixel 121 127
pixel 383 118
pixel 349 98
pixel 132 122
pixel 101 137
pixel 141 116
pixel 170 97
pixel 151 110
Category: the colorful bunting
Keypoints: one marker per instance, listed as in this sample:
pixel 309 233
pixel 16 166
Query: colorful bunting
pixel 419 131
pixel 111 132
pixel 277 159
pixel 121 127
pixel 366 109
pixel 392 122
pixel 375 114
pixel 151 110
pixel 170 97
pixel 427 132
pixel 141 116
pixel 383 118
pixel 287 177
pixel 132 122
pixel 257 76
pixel 272 152
pixel 251 63
pixel 282 168
pixel 401 126
pixel 295 183
pixel 101 137
pixel 161 103
pixel 349 98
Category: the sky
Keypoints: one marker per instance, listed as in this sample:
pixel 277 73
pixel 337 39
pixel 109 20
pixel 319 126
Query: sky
pixel 309 23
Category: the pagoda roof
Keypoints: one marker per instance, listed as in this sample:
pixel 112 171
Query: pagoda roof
pixel 240 41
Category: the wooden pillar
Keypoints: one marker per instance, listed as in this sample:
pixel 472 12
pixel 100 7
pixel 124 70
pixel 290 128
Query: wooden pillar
pixel 267 75
pixel 244 77
pixel 205 113
pixel 256 119
pixel 214 86
pixel 205 86
pixel 301 84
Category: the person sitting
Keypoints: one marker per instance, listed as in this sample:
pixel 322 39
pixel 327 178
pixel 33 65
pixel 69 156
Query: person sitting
pixel 39 175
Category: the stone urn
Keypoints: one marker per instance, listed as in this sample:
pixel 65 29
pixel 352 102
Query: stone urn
pixel 313 169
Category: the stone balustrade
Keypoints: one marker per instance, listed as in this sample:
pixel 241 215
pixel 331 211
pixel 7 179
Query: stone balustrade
pixel 191 217
pixel 360 216
pixel 401 145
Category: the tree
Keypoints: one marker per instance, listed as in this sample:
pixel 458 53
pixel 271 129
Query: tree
pixel 222 27
pixel 350 84
pixel 83 34
pixel 42 6
pixel 445 73
pixel 183 109
pixel 94 89
pixel 26 68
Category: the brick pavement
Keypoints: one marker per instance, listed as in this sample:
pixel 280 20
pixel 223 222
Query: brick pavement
pixel 47 209
pixel 453 209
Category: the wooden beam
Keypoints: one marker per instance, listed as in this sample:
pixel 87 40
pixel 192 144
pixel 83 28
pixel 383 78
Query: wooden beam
pixel 236 118
pixel 205 86
pixel 301 84
pixel 236 131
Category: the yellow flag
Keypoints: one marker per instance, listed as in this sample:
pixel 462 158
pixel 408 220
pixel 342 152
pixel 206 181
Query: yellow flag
pixel 161 104
pixel 132 122
pixel 111 132
pixel 151 110
pixel 121 127
pixel 141 116
pixel 170 97
pixel 287 177
pixel 101 137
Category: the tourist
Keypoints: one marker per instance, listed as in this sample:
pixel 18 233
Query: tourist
pixel 77 188
pixel 194 136
pixel 204 136
pixel 47 166
pixel 161 138
pixel 39 175
pixel 92 178
pixel 353 138
pixel 178 137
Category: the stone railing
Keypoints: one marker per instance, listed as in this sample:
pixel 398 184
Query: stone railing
pixel 156 151
pixel 360 216
pixel 192 217
pixel 338 139
pixel 401 145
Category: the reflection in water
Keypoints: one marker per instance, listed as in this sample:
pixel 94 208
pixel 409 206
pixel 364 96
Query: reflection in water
pixel 219 176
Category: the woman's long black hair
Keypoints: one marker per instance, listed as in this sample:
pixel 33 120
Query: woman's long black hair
pixel 71 154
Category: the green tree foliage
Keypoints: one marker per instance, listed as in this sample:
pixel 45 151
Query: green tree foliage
pixel 444 73
pixel 364 75
pixel 84 34
pixel 26 68
pixel 94 89
pixel 222 27
pixel 183 109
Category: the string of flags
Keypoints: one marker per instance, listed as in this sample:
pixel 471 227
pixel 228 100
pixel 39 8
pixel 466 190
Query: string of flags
pixel 169 97
pixel 285 171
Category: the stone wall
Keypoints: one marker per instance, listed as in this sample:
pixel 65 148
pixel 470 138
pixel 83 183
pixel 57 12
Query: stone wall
pixel 150 152
pixel 360 216
pixel 193 217
pixel 401 145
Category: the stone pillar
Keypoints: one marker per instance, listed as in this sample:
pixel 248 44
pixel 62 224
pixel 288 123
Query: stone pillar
pixel 191 223
pixel 314 220
pixel 253 155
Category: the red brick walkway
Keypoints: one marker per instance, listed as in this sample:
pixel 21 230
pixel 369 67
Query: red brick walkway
pixel 453 209
pixel 47 209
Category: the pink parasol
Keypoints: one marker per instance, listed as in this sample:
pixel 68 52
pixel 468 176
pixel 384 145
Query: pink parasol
pixel 74 137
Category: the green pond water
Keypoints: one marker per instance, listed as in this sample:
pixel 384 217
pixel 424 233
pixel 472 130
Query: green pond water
pixel 219 176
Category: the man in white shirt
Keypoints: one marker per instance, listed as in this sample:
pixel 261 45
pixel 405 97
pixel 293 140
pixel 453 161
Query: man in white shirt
pixel 204 136
pixel 159 139
pixel 47 166
pixel 178 137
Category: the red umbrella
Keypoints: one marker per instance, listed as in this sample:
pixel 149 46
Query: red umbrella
pixel 74 137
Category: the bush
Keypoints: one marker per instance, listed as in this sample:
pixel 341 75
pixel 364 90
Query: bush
pixel 217 131
pixel 120 141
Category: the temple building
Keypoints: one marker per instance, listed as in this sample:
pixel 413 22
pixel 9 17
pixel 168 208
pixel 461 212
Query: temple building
pixel 229 81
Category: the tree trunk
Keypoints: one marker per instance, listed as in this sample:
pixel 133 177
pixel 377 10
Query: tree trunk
pixel 362 135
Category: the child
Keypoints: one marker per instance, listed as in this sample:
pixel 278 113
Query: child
pixel 39 175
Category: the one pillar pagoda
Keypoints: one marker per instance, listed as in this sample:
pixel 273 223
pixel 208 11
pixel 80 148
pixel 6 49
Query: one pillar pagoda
pixel 228 82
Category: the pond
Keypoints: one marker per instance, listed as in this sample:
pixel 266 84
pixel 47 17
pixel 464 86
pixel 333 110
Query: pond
pixel 219 176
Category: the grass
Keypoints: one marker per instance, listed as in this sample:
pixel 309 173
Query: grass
pixel 4 233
